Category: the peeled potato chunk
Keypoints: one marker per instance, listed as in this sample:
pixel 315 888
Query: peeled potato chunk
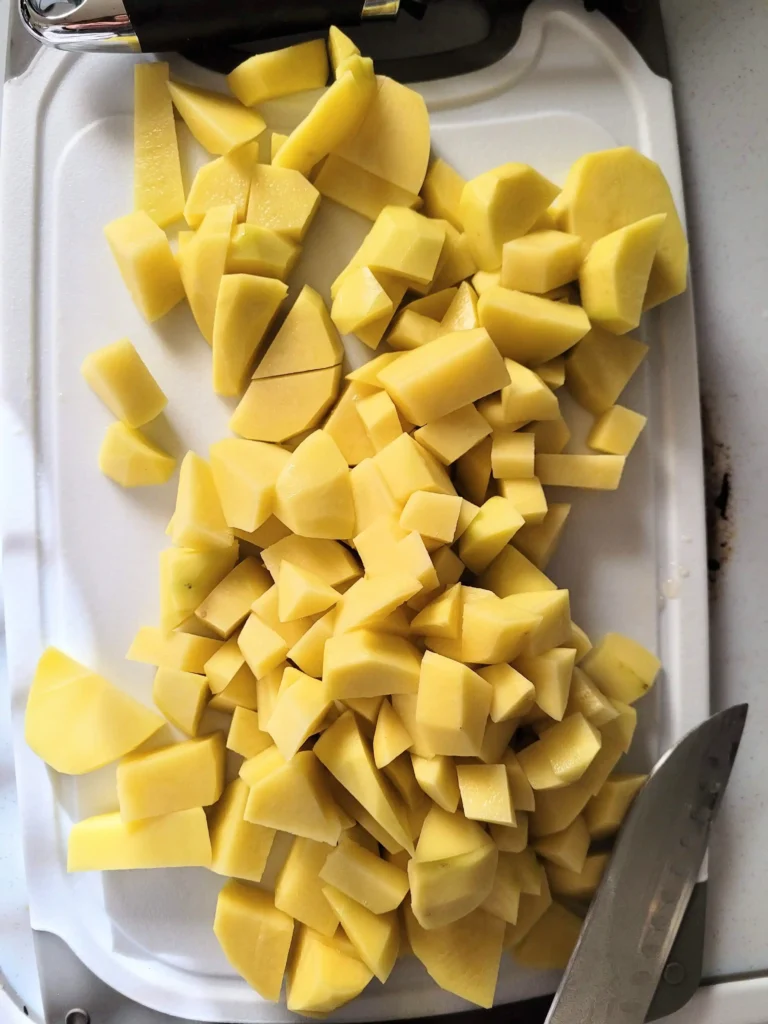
pixel 313 495
pixel 307 340
pixel 529 328
pixel 245 308
pixel 146 263
pixel 541 261
pixel 107 843
pixel 218 122
pixel 621 667
pixel 119 376
pixel 265 76
pixel 202 264
pixel 282 200
pixel 130 459
pixel 158 188
pixel 322 977
pixel 278 408
pixel 221 182
pixel 358 189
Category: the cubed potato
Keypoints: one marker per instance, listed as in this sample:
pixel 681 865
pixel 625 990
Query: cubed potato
pixel 371 496
pixel 224 666
pixel 606 811
pixel 513 694
pixel 340 46
pixel 568 848
pixel 531 908
pixel 218 122
pixel 448 567
pixel 240 849
pixel 412 330
pixel 587 699
pixel 265 76
pixel 372 599
pixel 484 279
pixel 376 937
pixel 291 796
pixel 358 189
pixel 298 889
pixel 551 675
pixel 538 769
pixel 202 264
pixel 198 520
pixel 267 607
pixel 441 193
pixel 264 536
pixel 434 516
pixel 407 467
pixel 181 697
pixel 467 515
pixel 181 651
pixel 77 721
pixel 551 941
pixel 254 935
pixel 528 328
pixel 445 890
pixel 512 456
pixel 334 118
pixel 245 307
pixel 297 713
pixel 392 140
pixel 119 377
pixel 612 188
pixel 146 264
pixel 372 333
pixel 282 200
pixel 452 706
pixel 262 647
pixel 327 558
pixel 128 457
pixel 593 472
pixel 302 593
pixel 307 340
pixel 600 367
pixel 277 408
pixel 541 261
pixel 621 667
pixel 245 473
pixel 453 435
pixel 551 436
pixel 391 738
pixel 528 498
pixel 490 408
pixel 245 736
pixel 257 250
pixel 485 794
pixel 323 975
pixel 441 617
pixel 511 839
pixel 437 777
pixel 580 885
pixel 369 664
pixel 434 305
pixel 614 276
pixel 401 243
pixel 527 397
pixel 455 264
pixel 170 779
pixel 107 843
pixel 158 188
pixel 365 877
pixel 347 755
pixel 539 542
pixel 503 901
pixel 242 691
pixel 445 375
pixel 616 431
pixel 489 532
pixel 501 204
pixel 225 180
pixel 345 426
pixel 463 957
pixel 512 573
pixel 473 472
pixel 553 372
pixel 380 419
pixel 360 301
pixel 554 628
pixel 496 740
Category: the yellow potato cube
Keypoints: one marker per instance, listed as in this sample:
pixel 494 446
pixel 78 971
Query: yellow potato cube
pixel 532 907
pixel 600 367
pixel 503 901
pixel 334 118
pixel 512 573
pixel 345 426
pixel 581 885
pixel 571 746
pixel 265 76
pixel 107 843
pixel 434 305
pixel 441 193
pixel 219 123
pixel 313 495
pixel 437 777
pixel 553 372
pixel 586 698
pixel 348 757
pixel 282 200
pixel 622 668
pixel 277 408
pixel 434 516
pixel 467 516
pixel 297 713
pixel 551 675
pixel 360 301
pixel 539 542
pixel 259 251
pixel 501 204
pixel 255 936
pixel 202 264
pixel 241 692
pixel 551 436
pixel 441 617
pixel 463 957
pixel 380 419
pixel 528 328
pixel 146 264
pixel 130 459
pixel 340 47
pixel 473 472
pixel 358 189
pixel 245 736
pixel 448 567
pixel 538 769
pixel 170 779
pixel 510 839
pixel 223 181
pixel 554 609
pixel 198 521
pixel 245 473
pixel 406 244
pixel 528 498
pixel 76 721
pixel 376 937
pixel 489 532
pixel 496 740
pixel 512 456
pixel 119 377
pixel 368 664
pixel 298 888
pixel 513 694
pixel 456 263
pixel 527 397
pixel 485 793
pixel 245 308
pixel 225 666
pixel 391 738
pixel 323 975
pixel 264 536
pixel 182 697
pixel 371 496
pixel 302 593
pixel 484 279
pixel 522 794
pixel 551 941
pixel 452 706
pixel 412 330
pixel 606 811
pixel 307 340
pixel 365 877
pixel 445 375
pixel 594 472
pixel 268 610
pixel 453 435
pixel 568 849
pixel 240 849
pixel 371 600
pixel 616 431
pixel 407 467
pixel 541 261
pixel 158 188
pixel 372 333
pixel 291 796
pixel 445 890
pixel 326 558
pixel 181 651
pixel 262 647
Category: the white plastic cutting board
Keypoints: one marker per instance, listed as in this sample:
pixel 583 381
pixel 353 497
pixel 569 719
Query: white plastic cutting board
pixel 80 555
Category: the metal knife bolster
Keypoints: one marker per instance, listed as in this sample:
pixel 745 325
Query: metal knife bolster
pixel 635 916
pixel 163 25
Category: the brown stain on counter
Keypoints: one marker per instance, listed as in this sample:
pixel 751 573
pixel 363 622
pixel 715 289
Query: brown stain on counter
pixel 719 496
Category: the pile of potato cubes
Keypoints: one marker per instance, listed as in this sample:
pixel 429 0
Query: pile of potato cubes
pixel 357 578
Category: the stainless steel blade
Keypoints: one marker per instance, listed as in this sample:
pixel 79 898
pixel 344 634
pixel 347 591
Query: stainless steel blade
pixel 635 916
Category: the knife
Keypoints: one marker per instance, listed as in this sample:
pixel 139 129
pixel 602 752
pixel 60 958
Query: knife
pixel 628 933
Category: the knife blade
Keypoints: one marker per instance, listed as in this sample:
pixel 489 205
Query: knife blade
pixel 628 933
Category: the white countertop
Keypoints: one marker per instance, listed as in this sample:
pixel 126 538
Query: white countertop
pixel 717 52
